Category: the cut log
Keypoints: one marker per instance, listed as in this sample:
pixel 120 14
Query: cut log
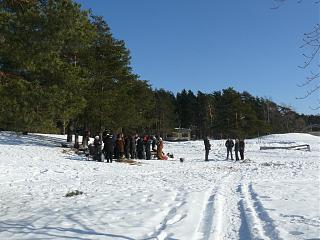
pixel 296 147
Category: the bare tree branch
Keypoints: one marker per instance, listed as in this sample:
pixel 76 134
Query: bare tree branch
pixel 310 92
pixel 316 108
pixel 279 3
pixel 309 79
pixel 311 44
pixel 311 39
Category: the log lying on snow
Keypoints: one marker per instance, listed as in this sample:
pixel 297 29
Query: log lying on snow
pixel 296 147
pixel 67 145
pixel 130 161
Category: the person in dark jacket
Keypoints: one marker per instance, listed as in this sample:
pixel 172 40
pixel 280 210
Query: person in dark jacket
pixel 97 149
pixel 104 134
pixel 140 148
pixel 133 147
pixel 241 148
pixel 108 148
pixel 148 145
pixel 127 146
pixel 236 149
pixel 229 145
pixel 154 143
pixel 207 147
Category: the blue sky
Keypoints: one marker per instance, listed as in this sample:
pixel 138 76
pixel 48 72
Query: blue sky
pixel 210 45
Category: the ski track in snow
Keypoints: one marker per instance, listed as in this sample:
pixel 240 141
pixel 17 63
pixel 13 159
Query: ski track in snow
pixel 270 195
pixel 211 222
pixel 258 222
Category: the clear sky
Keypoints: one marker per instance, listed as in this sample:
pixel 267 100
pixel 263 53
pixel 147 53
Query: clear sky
pixel 209 45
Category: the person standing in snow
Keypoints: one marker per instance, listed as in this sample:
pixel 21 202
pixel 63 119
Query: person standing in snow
pixel 241 148
pixel 229 145
pixel 97 149
pixel 120 146
pixel 148 145
pixel 108 148
pixel 207 147
pixel 133 148
pixel 236 149
pixel 140 148
pixel 127 146
pixel 154 143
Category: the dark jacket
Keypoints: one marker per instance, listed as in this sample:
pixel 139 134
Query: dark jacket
pixel 140 146
pixel 154 143
pixel 236 146
pixel 207 144
pixel 229 143
pixel 241 145
pixel 108 144
pixel 148 144
pixel 133 146
pixel 127 144
pixel 96 142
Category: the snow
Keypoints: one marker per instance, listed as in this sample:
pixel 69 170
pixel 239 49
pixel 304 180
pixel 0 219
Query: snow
pixel 273 194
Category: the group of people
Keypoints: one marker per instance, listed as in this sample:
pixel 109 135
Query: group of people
pixel 120 146
pixel 238 146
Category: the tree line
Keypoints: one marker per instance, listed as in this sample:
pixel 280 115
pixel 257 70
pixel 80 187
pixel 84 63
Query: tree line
pixel 227 113
pixel 62 70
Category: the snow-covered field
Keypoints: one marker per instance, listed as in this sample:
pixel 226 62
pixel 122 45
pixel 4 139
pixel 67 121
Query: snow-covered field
pixel 274 194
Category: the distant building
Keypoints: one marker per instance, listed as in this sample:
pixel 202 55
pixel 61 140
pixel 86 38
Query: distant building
pixel 179 134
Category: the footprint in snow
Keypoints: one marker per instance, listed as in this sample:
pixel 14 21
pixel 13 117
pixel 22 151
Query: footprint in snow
pixel 44 171
pixel 176 219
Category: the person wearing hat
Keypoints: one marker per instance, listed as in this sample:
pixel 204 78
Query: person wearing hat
pixel 108 148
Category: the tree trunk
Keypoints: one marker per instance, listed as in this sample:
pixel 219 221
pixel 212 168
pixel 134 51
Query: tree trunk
pixel 85 136
pixel 76 140
pixel 63 130
pixel 76 136
pixel 69 132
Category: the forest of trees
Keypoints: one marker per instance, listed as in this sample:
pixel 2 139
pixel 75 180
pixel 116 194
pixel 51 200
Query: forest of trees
pixel 62 70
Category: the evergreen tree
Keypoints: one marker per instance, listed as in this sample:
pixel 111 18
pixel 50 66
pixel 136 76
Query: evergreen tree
pixel 204 114
pixel 40 40
pixel 186 106
pixel 165 112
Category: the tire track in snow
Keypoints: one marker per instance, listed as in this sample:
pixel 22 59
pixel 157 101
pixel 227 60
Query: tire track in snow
pixel 205 224
pixel 255 219
pixel 212 223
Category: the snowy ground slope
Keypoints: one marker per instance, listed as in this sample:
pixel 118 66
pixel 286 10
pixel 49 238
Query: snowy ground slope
pixel 273 195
